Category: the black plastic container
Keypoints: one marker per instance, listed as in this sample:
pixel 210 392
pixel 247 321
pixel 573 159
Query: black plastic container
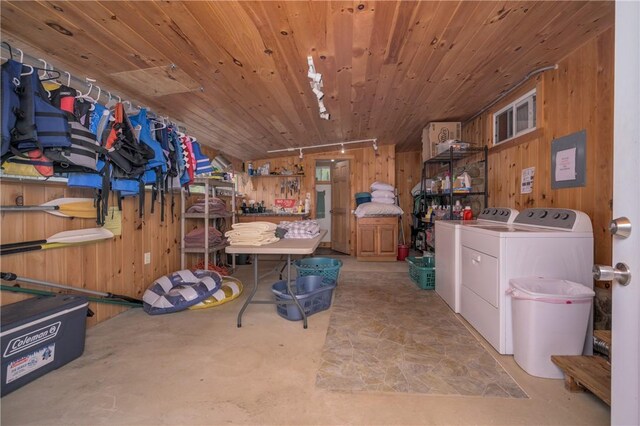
pixel 39 335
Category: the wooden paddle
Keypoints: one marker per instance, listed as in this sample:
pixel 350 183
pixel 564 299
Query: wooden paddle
pixel 61 239
pixel 64 207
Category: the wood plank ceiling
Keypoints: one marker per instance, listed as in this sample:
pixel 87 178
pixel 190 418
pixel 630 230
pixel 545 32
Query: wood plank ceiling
pixel 236 72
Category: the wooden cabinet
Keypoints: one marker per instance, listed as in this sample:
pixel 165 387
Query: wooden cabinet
pixel 377 238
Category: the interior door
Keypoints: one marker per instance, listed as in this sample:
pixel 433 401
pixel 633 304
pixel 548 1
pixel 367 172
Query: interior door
pixel 625 333
pixel 340 207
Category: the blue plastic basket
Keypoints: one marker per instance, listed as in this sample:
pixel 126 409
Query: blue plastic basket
pixel 323 266
pixel 422 271
pixel 313 293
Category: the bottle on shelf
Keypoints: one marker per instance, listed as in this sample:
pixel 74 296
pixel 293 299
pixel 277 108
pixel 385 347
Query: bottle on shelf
pixel 468 214
pixel 457 211
pixel 250 168
pixel 446 184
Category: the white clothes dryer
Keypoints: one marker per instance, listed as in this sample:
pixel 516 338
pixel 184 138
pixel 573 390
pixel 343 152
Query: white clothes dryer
pixel 541 242
pixel 448 250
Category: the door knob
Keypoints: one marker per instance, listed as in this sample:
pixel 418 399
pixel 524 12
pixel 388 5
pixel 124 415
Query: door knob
pixel 620 274
pixel 620 227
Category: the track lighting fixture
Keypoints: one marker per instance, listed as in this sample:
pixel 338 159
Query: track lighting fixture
pixel 375 146
pixel 326 145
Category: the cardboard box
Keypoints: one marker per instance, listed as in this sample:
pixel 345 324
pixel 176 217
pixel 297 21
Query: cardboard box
pixel 436 132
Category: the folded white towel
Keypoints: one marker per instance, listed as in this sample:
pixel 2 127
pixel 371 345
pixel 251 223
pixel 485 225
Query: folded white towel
pixel 267 226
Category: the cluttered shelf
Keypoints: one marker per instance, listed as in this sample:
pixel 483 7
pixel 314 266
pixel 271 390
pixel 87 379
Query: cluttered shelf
pixel 455 154
pixel 455 194
pixel 211 216
pixel 277 175
pixel 201 250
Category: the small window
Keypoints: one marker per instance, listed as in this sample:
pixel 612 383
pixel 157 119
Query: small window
pixel 515 119
pixel 323 173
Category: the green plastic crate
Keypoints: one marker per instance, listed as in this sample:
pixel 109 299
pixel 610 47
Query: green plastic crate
pixel 422 271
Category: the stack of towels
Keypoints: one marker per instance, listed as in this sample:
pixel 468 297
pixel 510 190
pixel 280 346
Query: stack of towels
pixel 382 193
pixel 216 206
pixel 301 229
pixel 252 234
pixel 195 238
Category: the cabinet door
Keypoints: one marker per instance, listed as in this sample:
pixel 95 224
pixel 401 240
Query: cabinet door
pixel 387 239
pixel 367 240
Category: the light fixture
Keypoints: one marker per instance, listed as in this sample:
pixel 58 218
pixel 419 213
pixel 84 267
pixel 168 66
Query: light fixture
pixel 318 93
pixel 325 145
pixel 301 154
pixel 316 86
pixel 333 160
pixel 375 146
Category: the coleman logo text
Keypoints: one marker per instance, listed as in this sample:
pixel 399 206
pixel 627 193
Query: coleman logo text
pixel 33 338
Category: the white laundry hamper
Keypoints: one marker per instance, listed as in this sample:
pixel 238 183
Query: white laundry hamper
pixel 550 317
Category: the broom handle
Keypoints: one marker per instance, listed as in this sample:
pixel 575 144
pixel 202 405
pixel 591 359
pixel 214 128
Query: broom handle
pixel 4 247
pixel 28 208
pixel 9 276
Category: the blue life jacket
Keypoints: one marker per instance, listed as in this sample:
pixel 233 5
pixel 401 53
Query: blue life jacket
pixel 10 101
pixel 40 124
pixel 203 164
pixel 156 168
pixel 157 165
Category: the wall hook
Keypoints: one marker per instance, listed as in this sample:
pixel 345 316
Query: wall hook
pixel 45 71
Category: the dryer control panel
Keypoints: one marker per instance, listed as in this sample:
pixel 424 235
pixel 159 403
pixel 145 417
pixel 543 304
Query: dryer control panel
pixel 570 220
pixel 498 214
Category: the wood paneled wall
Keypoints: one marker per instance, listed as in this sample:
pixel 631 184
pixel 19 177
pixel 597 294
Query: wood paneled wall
pixel 115 266
pixel 408 172
pixel 366 167
pixel 578 95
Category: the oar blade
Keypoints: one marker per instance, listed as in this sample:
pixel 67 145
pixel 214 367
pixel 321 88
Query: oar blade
pixel 81 235
pixel 73 207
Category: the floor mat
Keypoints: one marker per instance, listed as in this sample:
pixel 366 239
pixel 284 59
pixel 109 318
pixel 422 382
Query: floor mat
pixel 387 335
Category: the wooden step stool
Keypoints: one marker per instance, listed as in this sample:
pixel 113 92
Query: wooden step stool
pixel 586 372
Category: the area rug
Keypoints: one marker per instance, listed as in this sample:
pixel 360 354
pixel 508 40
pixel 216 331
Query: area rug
pixel 387 335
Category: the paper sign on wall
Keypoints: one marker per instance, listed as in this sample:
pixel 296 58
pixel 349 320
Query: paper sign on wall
pixel 526 183
pixel 566 165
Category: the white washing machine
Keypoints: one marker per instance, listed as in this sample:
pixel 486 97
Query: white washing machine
pixel 448 250
pixel 541 242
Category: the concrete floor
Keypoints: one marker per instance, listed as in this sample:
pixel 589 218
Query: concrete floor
pixel 197 367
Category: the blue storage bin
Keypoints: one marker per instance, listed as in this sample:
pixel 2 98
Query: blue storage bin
pixel 363 197
pixel 324 266
pixel 313 292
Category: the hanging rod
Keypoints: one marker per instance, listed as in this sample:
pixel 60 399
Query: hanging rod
pixel 87 82
pixel 299 148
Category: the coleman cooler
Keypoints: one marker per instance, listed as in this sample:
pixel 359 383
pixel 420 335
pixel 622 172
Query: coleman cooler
pixel 39 335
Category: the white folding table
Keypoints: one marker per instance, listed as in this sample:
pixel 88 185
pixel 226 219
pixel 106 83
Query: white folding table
pixel 286 247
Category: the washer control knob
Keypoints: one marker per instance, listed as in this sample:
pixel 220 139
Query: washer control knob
pixel 494 211
pixel 556 216
pixel 565 216
pixel 544 214
pixel 530 214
